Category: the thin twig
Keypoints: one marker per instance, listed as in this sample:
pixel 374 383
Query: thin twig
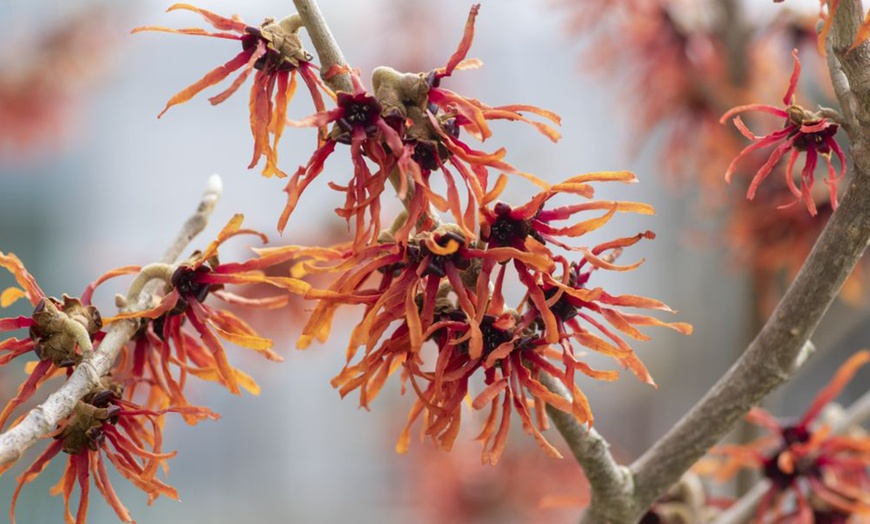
pixel 855 415
pixel 44 418
pixel 744 509
pixel 324 43
pixel 590 449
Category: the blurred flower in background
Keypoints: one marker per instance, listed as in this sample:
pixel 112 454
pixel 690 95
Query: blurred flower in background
pixel 46 75
pixel 527 486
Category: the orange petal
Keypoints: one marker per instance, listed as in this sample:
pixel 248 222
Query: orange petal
pixel 10 296
pixel 211 78
pixel 841 378
pixel 464 44
pixel 14 265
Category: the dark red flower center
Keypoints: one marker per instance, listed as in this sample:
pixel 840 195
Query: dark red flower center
pixel 427 155
pixel 186 281
pixel 804 466
pixel 435 265
pixel 819 141
pixel 360 111
pixel 507 231
pixel 493 336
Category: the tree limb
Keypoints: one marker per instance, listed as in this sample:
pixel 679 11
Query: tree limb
pixel 44 418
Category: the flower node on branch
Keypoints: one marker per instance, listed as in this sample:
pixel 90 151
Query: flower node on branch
pixel 52 339
pixel 802 132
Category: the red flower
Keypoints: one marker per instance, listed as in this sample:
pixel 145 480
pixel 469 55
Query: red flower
pixel 802 132
pixel 275 51
pixel 50 335
pixel 101 427
pixel 671 66
pixel 190 284
pixel 824 473
pixel 410 126
pixel 359 123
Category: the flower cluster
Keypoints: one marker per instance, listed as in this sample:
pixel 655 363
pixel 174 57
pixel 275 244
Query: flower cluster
pixel 822 475
pixel 435 294
pixel 410 127
pixel 55 68
pixel 435 288
pixel 670 66
pixel 426 283
pixel 101 428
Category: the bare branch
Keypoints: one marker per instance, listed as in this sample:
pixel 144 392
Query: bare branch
pixel 607 479
pixel 44 418
pixel 744 509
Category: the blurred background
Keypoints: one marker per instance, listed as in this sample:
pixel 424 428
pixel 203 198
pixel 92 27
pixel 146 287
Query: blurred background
pixel 91 180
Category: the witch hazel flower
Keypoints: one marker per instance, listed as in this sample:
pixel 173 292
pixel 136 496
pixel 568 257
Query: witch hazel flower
pixel 803 132
pixel 815 475
pixel 274 49
pixel 104 430
pixel 184 321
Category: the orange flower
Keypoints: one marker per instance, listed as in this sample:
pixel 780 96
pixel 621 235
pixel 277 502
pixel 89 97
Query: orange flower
pixel 826 475
pixel 52 72
pixel 275 51
pixel 410 126
pixel 432 139
pixel 671 67
pixel 526 487
pixel 101 427
pixel 802 131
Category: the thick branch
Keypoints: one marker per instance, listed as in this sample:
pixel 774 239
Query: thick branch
pixel 44 418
